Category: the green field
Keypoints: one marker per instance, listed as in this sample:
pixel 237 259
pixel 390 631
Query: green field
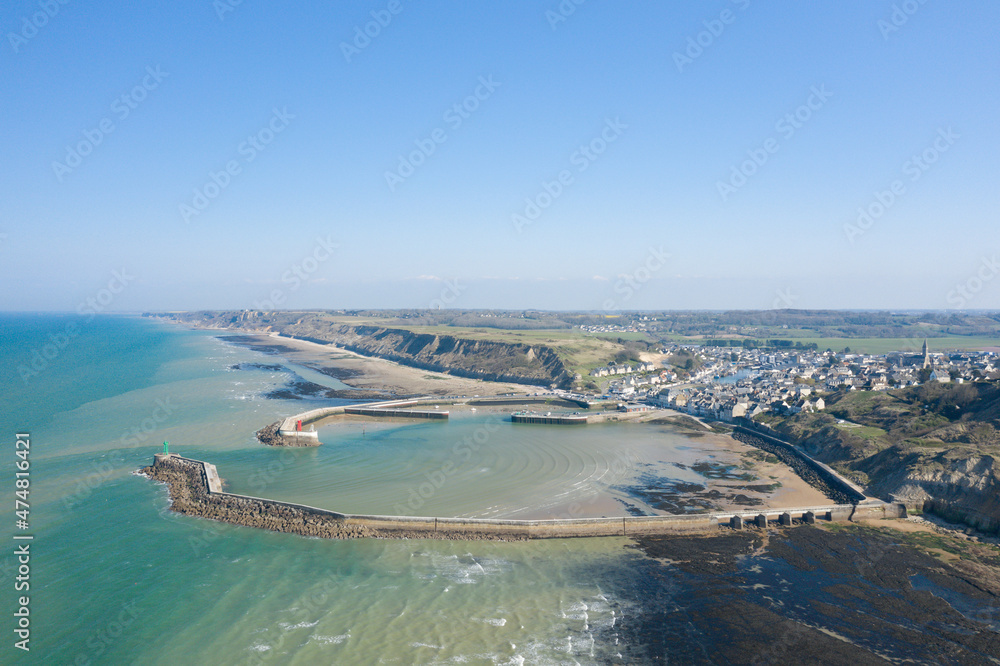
pixel 911 345
pixel 876 345
pixel 579 351
pixel 583 351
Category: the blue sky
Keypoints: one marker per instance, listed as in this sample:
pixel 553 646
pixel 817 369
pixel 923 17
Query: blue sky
pixel 664 207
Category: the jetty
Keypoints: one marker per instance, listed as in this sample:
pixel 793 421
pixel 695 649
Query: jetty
pixel 548 419
pixel 397 413
pixel 291 430
pixel 196 489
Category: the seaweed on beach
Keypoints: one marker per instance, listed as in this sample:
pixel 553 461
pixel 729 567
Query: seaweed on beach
pixel 713 470
pixel 269 367
pixel 340 373
pixel 856 595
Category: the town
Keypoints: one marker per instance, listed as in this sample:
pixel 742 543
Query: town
pixel 725 383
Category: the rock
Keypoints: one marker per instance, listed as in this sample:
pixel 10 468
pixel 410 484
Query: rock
pixel 189 496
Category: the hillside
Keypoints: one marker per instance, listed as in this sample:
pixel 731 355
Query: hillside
pixel 936 443
pixel 492 360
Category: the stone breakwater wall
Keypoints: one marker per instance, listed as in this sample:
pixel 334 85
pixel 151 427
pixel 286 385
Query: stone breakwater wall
pixel 284 433
pixel 287 426
pixel 548 420
pixel 271 436
pixel 813 472
pixel 195 489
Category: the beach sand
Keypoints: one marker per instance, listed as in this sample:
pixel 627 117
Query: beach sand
pixel 376 374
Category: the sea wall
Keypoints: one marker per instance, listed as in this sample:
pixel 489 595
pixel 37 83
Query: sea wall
pixel 396 413
pixel 537 419
pixel 814 472
pixel 195 489
pixel 287 426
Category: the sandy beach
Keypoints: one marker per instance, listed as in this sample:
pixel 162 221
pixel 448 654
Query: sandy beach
pixel 729 483
pixel 364 372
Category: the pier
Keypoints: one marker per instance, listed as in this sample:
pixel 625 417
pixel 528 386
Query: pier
pixel 522 417
pixel 197 482
pixel 397 413
pixel 289 426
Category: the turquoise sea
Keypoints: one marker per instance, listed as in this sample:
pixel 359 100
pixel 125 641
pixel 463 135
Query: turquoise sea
pixel 111 576
pixel 115 578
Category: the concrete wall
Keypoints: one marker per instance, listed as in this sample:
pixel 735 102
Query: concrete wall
pixel 540 419
pixel 398 413
pixel 542 529
pixel 313 415
pixel 831 477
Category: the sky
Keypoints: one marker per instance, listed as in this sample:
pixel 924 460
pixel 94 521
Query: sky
pixel 581 154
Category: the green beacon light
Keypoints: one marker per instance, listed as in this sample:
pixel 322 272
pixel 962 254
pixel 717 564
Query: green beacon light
pixel 165 452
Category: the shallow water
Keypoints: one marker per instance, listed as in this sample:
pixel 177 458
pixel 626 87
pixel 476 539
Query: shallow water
pixel 117 578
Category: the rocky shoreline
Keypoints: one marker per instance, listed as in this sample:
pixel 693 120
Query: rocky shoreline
pixel 852 594
pixel 189 496
pixel 268 435
pixel 807 473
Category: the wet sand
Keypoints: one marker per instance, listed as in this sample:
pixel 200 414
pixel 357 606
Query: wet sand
pixel 734 476
pixel 372 374
pixel 739 476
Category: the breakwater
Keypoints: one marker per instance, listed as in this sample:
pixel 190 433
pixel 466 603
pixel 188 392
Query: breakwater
pixel 271 436
pixel 196 489
pixel 286 432
pixel 397 413
pixel 521 417
pixel 557 400
pixel 812 471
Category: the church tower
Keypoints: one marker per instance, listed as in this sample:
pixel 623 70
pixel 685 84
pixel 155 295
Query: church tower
pixel 927 357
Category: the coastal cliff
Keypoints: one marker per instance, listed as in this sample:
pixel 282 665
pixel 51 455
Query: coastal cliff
pixel 478 359
pixel 488 360
pixel 933 447
pixel 960 486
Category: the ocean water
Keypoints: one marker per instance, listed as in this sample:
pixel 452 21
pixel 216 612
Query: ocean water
pixel 116 578
pixel 474 465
